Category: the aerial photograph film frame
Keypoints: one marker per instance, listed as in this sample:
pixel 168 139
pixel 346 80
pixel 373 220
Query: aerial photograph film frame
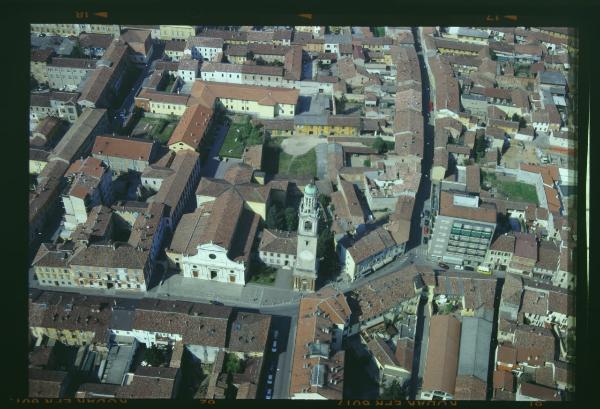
pixel 311 213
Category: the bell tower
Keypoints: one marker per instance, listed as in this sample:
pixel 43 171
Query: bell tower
pixel 305 271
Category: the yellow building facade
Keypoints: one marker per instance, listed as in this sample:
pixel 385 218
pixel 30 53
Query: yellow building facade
pixel 167 108
pixel 170 32
pixel 326 130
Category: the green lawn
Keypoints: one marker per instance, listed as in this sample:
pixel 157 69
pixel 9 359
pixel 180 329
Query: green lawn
pixel 516 191
pixel 379 31
pixel 157 129
pixel 302 165
pixel 262 274
pixel 240 135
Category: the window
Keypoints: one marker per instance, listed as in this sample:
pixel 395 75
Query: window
pixel 212 256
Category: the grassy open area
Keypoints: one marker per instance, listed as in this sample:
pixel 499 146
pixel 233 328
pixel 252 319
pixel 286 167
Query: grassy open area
pixel 240 135
pixel 379 31
pixel 301 165
pixel 517 191
pixel 262 274
pixel 158 129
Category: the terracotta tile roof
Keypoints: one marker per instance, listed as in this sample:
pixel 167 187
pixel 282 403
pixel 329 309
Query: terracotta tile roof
pixel 192 126
pixel 534 345
pixel 534 302
pixel 69 311
pixel 79 63
pixel 122 256
pixel 163 97
pixel 442 354
pixel 381 351
pixel 252 156
pixel 268 49
pixel 370 244
pixel 539 392
pixel 316 367
pixel 278 241
pixel 548 255
pixel 249 332
pixel 206 92
pixel 507 354
pixel 46 383
pixel 138 40
pixel 504 380
pixel 448 208
pixel 134 149
pixel 175 45
pixel 405 353
pixel 89 166
pixel 150 383
pixel 561 302
pixel 470 388
pixel 42 55
pixel 526 246
pixel 293 63
pixel 504 243
pixel 208 42
pixel 89 40
pixel 172 188
pixel 564 372
pixel 198 324
pixel 382 294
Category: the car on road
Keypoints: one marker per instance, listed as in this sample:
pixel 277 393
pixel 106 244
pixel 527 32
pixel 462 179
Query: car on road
pixel 275 334
pixel 459 267
pixel 273 367
pixel 426 222
pixel 270 379
pixel 469 268
pixel 274 346
pixel 444 265
pixel 269 394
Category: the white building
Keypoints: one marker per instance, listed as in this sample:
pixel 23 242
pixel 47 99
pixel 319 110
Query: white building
pixel 368 253
pixel 278 248
pixel 188 69
pixel 203 48
pixel 307 265
pixel 215 242
pixel 90 185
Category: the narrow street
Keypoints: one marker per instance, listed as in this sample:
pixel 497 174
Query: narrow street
pixel 424 191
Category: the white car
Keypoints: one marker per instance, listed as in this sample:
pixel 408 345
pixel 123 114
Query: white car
pixel 270 379
pixel 460 268
pixel 274 347
pixel 269 394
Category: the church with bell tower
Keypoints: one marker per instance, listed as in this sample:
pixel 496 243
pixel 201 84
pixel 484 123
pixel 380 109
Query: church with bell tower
pixel 307 265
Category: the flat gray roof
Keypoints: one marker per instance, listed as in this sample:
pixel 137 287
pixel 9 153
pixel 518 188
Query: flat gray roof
pixel 475 340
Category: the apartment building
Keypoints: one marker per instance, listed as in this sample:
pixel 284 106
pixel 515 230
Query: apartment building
pixel 463 230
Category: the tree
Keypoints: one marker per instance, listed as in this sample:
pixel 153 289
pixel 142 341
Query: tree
pixel 522 122
pixel 275 217
pixel 367 163
pixel 380 145
pixel 249 55
pixel 324 200
pixel 291 218
pixel 393 391
pixel 154 356
pixel 515 117
pixel 232 363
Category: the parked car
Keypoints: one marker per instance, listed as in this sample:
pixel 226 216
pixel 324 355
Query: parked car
pixel 270 379
pixel 469 268
pixel 459 267
pixel 427 213
pixel 275 334
pixel 269 394
pixel 426 222
pixel 274 347
pixel 444 265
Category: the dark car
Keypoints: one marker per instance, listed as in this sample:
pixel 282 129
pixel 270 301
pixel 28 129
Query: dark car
pixel 425 240
pixel 444 265
pixel 469 268
pixel 426 222
pixel 216 303
pixel 427 213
